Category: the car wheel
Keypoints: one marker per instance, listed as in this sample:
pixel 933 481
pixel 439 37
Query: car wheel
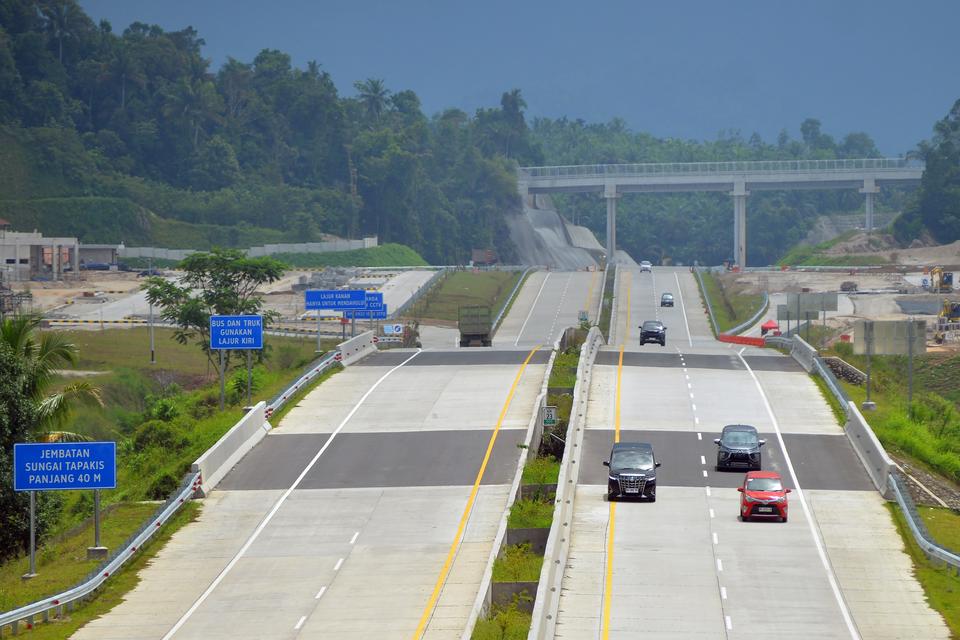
pixel 783 519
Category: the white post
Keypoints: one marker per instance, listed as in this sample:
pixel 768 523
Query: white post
pixel 870 190
pixel 611 195
pixel 740 194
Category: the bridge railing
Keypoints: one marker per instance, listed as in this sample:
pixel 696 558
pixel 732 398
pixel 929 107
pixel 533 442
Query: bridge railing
pixel 713 168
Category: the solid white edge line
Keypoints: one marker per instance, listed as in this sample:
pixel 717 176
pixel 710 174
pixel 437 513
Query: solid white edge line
pixel 276 507
pixel 300 622
pixel 831 577
pixel 532 307
pixel 683 308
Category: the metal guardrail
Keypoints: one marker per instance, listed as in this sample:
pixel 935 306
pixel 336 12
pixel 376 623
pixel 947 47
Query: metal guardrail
pixel 764 303
pixel 923 538
pixel 895 484
pixel 706 299
pixel 86 587
pixel 506 303
pixel 420 292
pixel 713 168
pixel 315 369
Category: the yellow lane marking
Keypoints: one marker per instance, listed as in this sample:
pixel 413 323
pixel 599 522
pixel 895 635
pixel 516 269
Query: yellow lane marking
pixel 448 563
pixel 589 301
pixel 626 335
pixel 608 577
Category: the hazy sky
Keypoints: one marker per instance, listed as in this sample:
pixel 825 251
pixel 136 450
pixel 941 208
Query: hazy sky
pixel 677 68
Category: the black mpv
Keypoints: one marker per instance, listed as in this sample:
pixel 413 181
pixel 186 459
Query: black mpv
pixel 653 331
pixel 739 448
pixel 633 471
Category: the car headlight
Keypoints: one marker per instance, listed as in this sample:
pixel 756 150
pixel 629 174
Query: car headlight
pixel 750 499
pixel 724 455
pixel 614 478
pixel 780 499
pixel 755 456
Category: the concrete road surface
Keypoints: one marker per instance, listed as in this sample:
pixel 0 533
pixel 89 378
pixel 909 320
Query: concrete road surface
pixel 382 458
pixel 686 566
pixel 548 303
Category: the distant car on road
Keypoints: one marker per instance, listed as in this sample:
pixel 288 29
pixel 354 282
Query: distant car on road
pixel 763 496
pixel 646 266
pixel 149 272
pixel 739 447
pixel 633 471
pixel 653 331
pixel 666 300
pixel 94 266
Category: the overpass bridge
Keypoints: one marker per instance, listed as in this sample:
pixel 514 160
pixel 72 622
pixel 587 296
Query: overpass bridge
pixel 738 179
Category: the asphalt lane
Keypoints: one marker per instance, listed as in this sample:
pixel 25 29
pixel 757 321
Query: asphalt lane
pixel 821 461
pixel 365 460
pixel 474 356
pixel 548 304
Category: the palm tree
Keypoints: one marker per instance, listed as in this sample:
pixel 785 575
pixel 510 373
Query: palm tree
pixel 62 19
pixel 124 67
pixel 194 100
pixel 373 95
pixel 42 355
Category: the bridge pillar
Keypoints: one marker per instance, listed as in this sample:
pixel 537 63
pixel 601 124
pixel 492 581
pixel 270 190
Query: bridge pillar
pixel 870 190
pixel 740 194
pixel 610 195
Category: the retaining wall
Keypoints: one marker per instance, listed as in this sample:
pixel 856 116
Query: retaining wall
pixel 214 464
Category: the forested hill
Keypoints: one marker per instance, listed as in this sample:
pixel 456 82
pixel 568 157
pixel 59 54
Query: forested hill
pixel 126 134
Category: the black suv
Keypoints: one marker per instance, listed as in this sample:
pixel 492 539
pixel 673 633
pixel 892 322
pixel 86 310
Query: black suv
pixel 653 331
pixel 666 300
pixel 633 471
pixel 739 447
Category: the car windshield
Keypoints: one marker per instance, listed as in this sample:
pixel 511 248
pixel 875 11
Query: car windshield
pixel 764 484
pixel 740 439
pixel 651 325
pixel 667 296
pixel 632 459
pixel 645 264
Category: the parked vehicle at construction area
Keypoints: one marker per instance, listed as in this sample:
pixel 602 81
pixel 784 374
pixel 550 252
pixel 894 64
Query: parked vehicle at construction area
pixel 941 281
pixel 475 326
pixel 948 322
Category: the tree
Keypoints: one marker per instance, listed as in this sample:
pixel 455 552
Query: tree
pixel 373 96
pixel 63 19
pixel 42 355
pixel 17 415
pixel 221 282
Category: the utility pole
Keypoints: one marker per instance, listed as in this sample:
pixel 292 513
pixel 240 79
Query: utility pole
pixel 153 357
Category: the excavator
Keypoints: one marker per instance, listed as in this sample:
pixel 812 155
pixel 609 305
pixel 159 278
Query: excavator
pixel 948 321
pixel 941 281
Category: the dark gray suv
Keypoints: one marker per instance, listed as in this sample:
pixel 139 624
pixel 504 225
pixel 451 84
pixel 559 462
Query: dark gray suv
pixel 739 448
pixel 633 471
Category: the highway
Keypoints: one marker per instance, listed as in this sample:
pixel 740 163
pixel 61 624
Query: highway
pixel 685 566
pixel 549 303
pixel 362 515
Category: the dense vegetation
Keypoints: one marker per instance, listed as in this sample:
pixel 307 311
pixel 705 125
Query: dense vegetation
pixel 141 119
pixel 936 209
pixel 697 226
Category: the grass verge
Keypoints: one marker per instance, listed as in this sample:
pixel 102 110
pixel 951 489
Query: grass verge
pixel 940 585
pixel 508 623
pixel 114 590
pixel 541 470
pixel 564 373
pixel 386 255
pixel 530 514
pixel 730 306
pixel 463 288
pixel 607 305
pixel 517 563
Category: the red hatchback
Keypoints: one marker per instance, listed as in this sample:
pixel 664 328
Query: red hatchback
pixel 763 496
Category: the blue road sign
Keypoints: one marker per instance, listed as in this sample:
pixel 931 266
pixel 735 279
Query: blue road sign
pixel 375 300
pixel 50 466
pixel 236 332
pixel 367 314
pixel 335 299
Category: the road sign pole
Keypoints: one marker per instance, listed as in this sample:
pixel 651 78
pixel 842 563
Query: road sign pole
pixel 153 358
pixel 249 377
pixel 868 339
pixel 222 381
pixel 353 325
pixel 910 367
pixel 96 517
pixel 32 571
pixel 318 330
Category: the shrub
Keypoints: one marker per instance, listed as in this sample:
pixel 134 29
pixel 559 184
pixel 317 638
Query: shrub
pixel 162 486
pixel 158 434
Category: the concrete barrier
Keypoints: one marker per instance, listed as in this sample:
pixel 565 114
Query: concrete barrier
pixel 547 602
pixel 531 442
pixel 753 342
pixel 214 464
pixel 356 348
pixel 804 354
pixel 875 460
